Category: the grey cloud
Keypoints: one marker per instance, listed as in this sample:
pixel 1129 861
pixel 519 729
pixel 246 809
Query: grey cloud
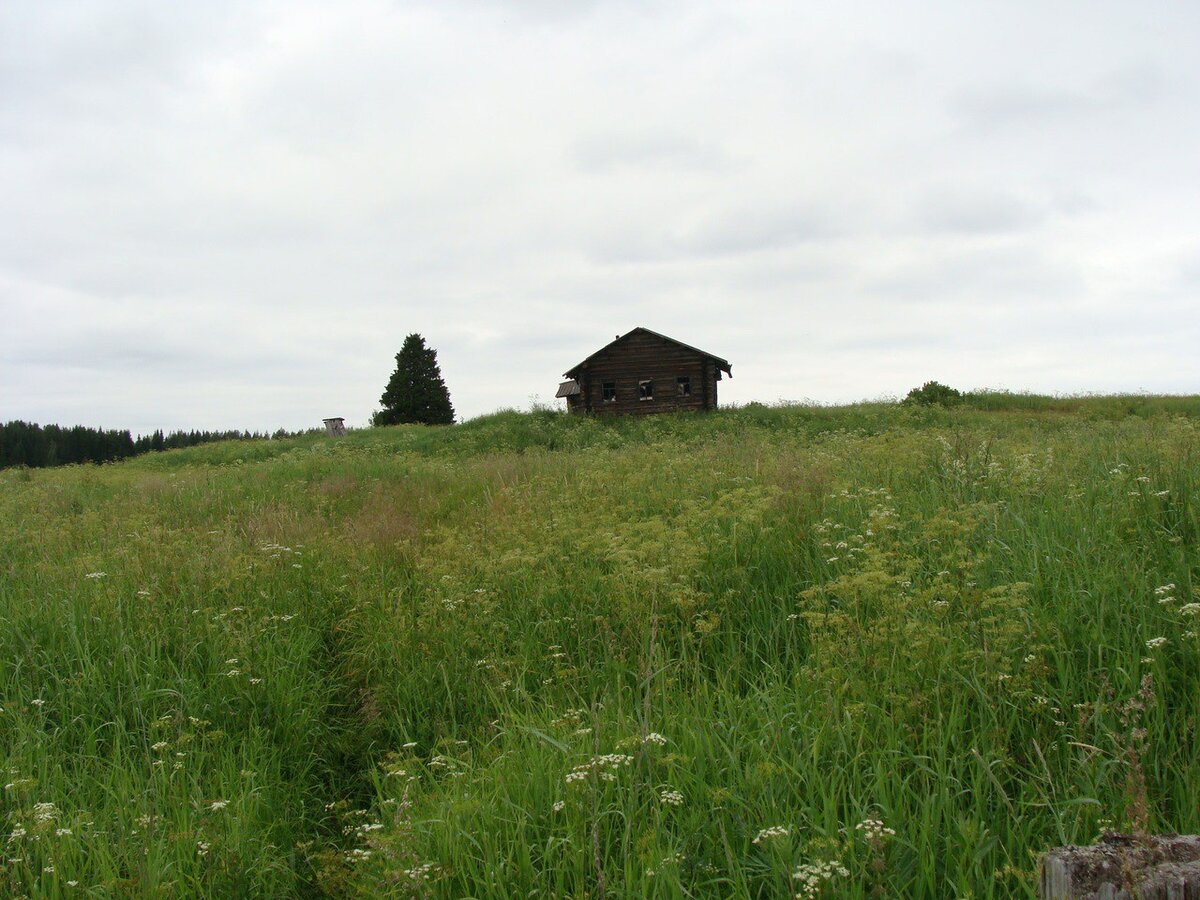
pixel 94 61
pixel 1188 275
pixel 998 105
pixel 729 232
pixel 606 152
pixel 1004 279
pixel 535 11
pixel 972 212
pixel 749 229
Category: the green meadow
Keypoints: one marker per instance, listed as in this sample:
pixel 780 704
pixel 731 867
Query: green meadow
pixel 863 651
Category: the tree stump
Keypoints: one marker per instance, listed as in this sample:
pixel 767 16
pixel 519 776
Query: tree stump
pixel 1125 867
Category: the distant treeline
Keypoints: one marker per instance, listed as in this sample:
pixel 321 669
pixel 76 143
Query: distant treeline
pixel 37 446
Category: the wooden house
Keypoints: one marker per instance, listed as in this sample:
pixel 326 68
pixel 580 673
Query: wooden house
pixel 644 372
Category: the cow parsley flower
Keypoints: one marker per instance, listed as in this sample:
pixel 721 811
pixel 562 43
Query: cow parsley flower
pixel 874 830
pixel 603 767
pixel 671 797
pixel 774 831
pixel 45 812
pixel 811 876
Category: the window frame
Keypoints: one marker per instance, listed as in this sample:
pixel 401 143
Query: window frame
pixel 683 385
pixel 605 388
pixel 645 389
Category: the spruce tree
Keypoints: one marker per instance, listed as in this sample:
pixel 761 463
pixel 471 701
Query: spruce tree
pixel 415 392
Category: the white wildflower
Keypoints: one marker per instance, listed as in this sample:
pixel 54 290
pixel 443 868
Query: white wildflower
pixel 604 767
pixel 671 797
pixel 45 812
pixel 774 831
pixel 874 830
pixel 810 876
pixel 1156 642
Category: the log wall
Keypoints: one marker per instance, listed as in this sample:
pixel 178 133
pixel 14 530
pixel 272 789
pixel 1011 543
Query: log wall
pixel 645 357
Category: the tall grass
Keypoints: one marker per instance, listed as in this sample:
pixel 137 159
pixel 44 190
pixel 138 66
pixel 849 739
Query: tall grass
pixel 858 651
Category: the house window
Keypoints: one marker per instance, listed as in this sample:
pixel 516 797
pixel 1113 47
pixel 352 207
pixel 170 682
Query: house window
pixel 684 383
pixel 610 391
pixel 645 390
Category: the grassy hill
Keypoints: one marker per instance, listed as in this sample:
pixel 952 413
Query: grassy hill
pixel 866 651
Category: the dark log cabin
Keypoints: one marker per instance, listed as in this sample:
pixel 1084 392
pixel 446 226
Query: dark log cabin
pixel 644 372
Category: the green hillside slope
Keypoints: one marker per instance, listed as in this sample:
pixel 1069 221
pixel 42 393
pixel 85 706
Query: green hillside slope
pixel 857 651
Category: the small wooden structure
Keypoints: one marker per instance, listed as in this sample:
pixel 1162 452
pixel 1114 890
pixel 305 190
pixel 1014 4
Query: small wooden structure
pixel 1125 867
pixel 644 372
pixel 335 427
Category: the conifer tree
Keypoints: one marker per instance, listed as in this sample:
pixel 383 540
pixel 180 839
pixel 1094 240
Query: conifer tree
pixel 415 392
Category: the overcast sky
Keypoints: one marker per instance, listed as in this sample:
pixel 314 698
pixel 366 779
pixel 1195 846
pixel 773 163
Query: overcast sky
pixel 229 215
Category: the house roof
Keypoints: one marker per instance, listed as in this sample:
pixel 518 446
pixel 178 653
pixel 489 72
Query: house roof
pixel 721 363
pixel 567 389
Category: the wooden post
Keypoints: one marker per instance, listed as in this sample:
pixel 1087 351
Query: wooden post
pixel 1125 867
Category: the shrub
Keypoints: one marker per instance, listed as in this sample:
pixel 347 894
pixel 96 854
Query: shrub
pixel 932 392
